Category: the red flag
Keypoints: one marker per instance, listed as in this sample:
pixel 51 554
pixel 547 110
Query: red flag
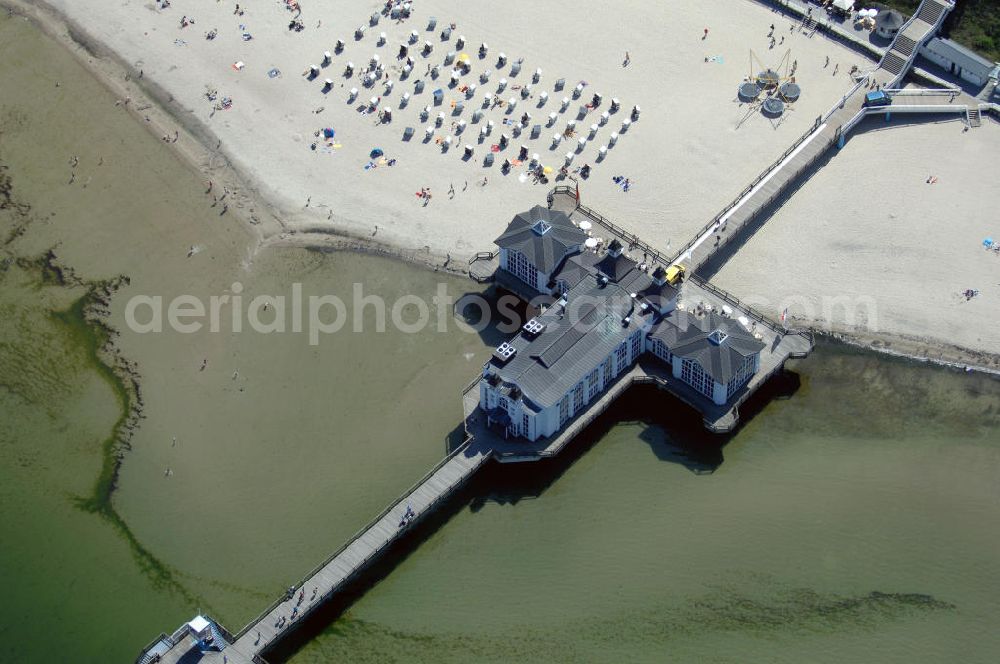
pixel 784 315
pixel 577 192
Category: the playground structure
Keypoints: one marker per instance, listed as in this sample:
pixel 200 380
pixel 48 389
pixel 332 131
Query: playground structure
pixel 770 89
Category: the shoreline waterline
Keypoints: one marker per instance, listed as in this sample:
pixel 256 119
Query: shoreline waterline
pixel 294 540
pixel 121 78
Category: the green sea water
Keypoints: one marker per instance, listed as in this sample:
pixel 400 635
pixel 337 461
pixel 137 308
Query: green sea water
pixel 852 522
pixel 851 519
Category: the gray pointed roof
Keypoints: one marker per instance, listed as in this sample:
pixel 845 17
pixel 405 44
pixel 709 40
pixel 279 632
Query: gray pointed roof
pixel 689 337
pixel 544 236
pixel 616 268
pixel 890 19
pixel 576 268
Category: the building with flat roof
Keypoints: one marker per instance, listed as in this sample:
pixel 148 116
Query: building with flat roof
pixel 610 310
pixel 958 60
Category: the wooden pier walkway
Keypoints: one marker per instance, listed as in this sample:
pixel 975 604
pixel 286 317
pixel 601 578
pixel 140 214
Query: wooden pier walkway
pixel 330 576
pixel 248 646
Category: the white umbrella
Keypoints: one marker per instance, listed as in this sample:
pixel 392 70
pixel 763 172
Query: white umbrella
pixel 585 225
pixel 591 242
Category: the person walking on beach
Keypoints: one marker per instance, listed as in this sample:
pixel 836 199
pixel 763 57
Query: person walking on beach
pixel 627 60
pixel 705 36
pixel 835 68
pixel 451 191
pixel 827 62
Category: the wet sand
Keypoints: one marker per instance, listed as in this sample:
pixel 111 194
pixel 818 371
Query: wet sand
pixel 271 471
pixel 693 149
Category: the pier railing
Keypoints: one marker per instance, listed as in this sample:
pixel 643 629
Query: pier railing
pixel 623 235
pixel 739 197
pixel 922 92
pixel 715 290
pixel 483 256
pixel 843 100
pixel 171 640
pixel 736 303
pixel 374 553
pixel 145 657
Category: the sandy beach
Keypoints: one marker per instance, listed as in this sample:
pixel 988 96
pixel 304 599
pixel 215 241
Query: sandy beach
pixel 257 455
pixel 692 149
pixel 872 250
pixel 685 155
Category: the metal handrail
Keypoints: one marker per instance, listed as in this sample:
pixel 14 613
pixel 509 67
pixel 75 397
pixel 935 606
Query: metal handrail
pixel 470 385
pixel 919 42
pixel 922 92
pixel 614 228
pixel 843 100
pixel 483 256
pixel 737 304
pixel 715 220
pixel 152 644
pixel 631 238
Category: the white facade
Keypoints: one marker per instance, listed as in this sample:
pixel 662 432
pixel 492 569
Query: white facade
pixel 692 373
pixel 517 264
pixel 958 60
pixel 531 425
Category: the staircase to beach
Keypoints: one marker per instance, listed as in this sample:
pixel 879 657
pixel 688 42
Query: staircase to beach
pixel 923 25
pixel 808 25
pixel 932 12
pixel 904 45
pixel 218 640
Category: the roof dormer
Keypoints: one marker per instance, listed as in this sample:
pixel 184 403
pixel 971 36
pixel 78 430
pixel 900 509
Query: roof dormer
pixel 659 276
pixel 718 337
pixel 541 227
